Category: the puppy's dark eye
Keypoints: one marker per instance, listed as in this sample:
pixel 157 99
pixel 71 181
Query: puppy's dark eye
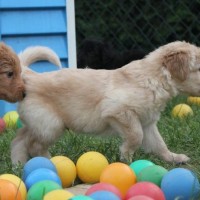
pixel 10 74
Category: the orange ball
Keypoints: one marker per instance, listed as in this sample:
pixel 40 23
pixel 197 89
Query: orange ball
pixel 17 182
pixel 120 175
pixel 9 191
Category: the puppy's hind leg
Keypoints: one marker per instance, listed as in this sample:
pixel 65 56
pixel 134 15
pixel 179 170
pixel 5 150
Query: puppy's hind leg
pixel 37 148
pixel 129 127
pixel 19 153
pixel 153 142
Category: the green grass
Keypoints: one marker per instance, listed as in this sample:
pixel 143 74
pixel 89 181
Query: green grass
pixel 181 136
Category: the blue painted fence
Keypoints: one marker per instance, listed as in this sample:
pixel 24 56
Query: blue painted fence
pixel 26 23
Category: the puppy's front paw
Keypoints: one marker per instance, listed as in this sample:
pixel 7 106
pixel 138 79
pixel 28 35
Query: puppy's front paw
pixel 179 158
pixel 126 160
pixel 126 156
pixel 19 160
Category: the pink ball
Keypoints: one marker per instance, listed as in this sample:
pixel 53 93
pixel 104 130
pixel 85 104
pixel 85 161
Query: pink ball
pixel 2 125
pixel 103 186
pixel 140 197
pixel 145 188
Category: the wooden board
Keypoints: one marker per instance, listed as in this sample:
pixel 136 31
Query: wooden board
pixel 79 189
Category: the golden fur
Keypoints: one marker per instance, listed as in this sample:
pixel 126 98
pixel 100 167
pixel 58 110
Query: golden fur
pixel 11 84
pixel 127 101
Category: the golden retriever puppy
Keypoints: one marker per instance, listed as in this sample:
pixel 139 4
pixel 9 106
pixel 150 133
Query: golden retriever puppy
pixel 11 85
pixel 127 101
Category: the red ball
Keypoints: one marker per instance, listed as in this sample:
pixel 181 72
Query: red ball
pixel 104 186
pixel 2 125
pixel 145 188
pixel 140 197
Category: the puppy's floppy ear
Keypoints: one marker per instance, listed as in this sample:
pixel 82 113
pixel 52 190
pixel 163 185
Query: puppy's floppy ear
pixel 178 64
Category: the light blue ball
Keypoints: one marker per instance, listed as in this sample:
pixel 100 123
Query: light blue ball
pixel 41 174
pixel 102 195
pixel 36 163
pixel 81 197
pixel 180 183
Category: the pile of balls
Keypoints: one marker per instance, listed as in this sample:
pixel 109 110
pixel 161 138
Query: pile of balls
pixel 49 179
pixel 10 120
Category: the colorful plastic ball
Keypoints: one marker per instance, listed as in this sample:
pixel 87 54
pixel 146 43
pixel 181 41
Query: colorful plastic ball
pixel 2 125
pixel 120 175
pixel 10 119
pixel 105 187
pixel 90 166
pixel 38 190
pixel 194 100
pixel 19 123
pixel 180 183
pixel 9 191
pixel 152 174
pixel 58 195
pixel 41 174
pixel 81 197
pixel 17 182
pixel 36 163
pixel 182 110
pixel 141 197
pixel 66 170
pixel 102 195
pixel 138 165
pixel 147 189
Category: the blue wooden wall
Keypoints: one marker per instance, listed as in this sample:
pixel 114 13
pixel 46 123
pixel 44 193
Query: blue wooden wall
pixel 26 23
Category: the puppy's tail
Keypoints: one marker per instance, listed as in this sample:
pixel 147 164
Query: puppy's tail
pixel 37 53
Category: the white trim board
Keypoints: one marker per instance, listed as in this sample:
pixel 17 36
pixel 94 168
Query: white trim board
pixel 71 34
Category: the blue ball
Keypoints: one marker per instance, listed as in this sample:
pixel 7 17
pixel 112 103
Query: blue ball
pixel 102 195
pixel 36 163
pixel 180 183
pixel 41 174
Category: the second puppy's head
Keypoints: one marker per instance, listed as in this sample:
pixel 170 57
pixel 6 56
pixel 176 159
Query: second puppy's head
pixel 11 85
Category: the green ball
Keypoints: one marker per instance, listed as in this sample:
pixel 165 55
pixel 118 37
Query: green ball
pixel 138 165
pixel 80 197
pixel 19 123
pixel 152 174
pixel 39 189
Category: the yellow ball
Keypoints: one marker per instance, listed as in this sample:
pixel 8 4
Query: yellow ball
pixel 66 170
pixel 17 182
pixel 10 119
pixel 58 195
pixel 90 166
pixel 182 110
pixel 194 100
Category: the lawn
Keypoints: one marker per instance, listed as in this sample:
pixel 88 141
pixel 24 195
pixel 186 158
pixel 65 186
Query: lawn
pixel 181 136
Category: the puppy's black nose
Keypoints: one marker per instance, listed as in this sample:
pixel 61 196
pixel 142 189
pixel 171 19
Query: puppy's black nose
pixel 24 94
